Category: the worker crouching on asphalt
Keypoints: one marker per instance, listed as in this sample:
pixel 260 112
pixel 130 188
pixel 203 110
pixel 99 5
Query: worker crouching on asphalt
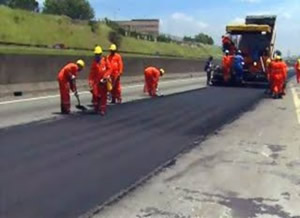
pixel 117 66
pixel 227 65
pixel 102 83
pixel 67 81
pixel 297 69
pixel 278 74
pixel 152 75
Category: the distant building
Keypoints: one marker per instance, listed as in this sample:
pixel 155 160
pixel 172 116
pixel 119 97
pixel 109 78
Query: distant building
pixel 144 26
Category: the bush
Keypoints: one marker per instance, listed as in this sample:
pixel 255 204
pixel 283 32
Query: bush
pixel 115 38
pixel 75 9
pixel 94 26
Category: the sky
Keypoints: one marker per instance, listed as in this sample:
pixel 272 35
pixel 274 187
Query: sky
pixel 189 17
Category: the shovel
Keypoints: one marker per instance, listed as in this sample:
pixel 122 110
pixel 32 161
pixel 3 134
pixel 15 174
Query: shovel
pixel 79 106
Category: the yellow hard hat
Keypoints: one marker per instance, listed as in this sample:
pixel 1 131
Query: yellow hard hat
pixel 277 57
pixel 113 47
pixel 162 71
pixel 98 50
pixel 80 63
pixel 299 61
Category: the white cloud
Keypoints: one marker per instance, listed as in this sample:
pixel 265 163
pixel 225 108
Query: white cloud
pixel 238 20
pixel 250 1
pixel 180 24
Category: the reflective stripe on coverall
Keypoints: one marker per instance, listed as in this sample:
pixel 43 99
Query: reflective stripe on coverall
pixel 93 80
pixel 103 72
pixel 117 66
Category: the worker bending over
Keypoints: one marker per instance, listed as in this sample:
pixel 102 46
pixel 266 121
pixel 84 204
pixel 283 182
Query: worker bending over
pixel 152 75
pixel 101 69
pixel 278 72
pixel 116 63
pixel 67 81
pixel 227 65
pixel 208 68
pixel 297 69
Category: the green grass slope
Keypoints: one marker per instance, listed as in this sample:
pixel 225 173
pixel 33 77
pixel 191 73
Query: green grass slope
pixel 26 27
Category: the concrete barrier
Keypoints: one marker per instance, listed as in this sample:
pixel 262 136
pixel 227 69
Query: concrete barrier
pixel 33 75
pixel 16 69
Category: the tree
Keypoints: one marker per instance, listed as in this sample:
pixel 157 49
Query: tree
pixel 75 9
pixel 3 2
pixel 31 5
pixel 203 38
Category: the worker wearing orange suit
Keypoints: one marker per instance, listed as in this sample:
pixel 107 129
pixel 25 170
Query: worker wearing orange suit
pixel 278 75
pixel 117 66
pixel 227 64
pixel 93 73
pixel 67 81
pixel 102 70
pixel 152 75
pixel 268 62
pixel 297 69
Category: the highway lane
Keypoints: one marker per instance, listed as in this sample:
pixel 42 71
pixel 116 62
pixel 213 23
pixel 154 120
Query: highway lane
pixel 65 167
pixel 22 111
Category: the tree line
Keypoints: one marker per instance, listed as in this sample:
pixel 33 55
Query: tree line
pixel 200 38
pixel 82 10
pixel 75 9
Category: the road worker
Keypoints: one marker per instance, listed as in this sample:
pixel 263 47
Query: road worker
pixel 238 65
pixel 67 81
pixel 227 64
pixel 93 74
pixel 297 69
pixel 152 75
pixel 278 75
pixel 102 70
pixel 208 68
pixel 268 73
pixel 116 63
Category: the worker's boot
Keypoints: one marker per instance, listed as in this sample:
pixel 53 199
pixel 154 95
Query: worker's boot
pixel 64 109
pixel 119 101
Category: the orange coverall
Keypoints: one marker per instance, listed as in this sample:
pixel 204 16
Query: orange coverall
pixel 66 78
pixel 297 69
pixel 117 67
pixel 278 73
pixel 93 80
pixel 152 75
pixel 227 64
pixel 103 72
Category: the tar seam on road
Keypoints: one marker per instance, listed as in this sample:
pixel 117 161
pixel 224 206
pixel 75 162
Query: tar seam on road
pixel 71 165
pixel 84 92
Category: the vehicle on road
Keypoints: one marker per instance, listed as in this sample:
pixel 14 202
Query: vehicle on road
pixel 255 39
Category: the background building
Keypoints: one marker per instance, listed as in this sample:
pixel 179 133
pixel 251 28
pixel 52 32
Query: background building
pixel 144 26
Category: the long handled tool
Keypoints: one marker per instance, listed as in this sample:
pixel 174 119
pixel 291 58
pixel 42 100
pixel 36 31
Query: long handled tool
pixel 79 106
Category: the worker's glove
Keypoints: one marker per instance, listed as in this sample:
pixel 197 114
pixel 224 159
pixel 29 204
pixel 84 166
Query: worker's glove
pixel 103 81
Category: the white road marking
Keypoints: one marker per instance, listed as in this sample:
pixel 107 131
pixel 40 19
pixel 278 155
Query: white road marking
pixel 296 102
pixel 87 92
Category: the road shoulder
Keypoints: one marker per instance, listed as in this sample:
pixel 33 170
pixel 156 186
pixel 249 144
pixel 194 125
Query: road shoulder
pixel 247 169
